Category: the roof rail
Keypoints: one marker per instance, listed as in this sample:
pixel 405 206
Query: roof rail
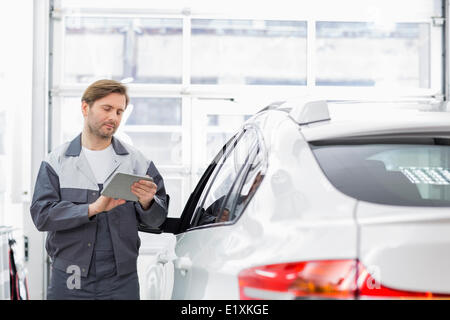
pixel 308 111
pixel 273 105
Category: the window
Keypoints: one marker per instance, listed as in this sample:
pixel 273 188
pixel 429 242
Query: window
pixel 3 165
pixel 364 54
pixel 155 111
pixel 154 126
pixel 248 52
pixel 145 50
pixel 174 187
pixel 409 172
pixel 160 147
pixel 216 137
pixel 2 132
pixel 231 184
pixel 244 187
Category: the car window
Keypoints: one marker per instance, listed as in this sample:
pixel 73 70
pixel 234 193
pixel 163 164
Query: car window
pixel 228 172
pixel 390 173
pixel 244 188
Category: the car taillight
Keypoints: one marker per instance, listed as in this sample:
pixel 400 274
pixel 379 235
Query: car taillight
pixel 324 279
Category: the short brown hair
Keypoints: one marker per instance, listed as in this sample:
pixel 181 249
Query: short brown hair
pixel 101 88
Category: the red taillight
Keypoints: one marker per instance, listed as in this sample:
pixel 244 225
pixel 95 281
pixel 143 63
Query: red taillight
pixel 314 279
pixel 326 279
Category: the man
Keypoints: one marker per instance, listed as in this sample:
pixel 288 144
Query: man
pixel 92 239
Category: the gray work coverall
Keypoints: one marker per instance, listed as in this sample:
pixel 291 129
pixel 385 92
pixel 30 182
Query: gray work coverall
pixel 104 247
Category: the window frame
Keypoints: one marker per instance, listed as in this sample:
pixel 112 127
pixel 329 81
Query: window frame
pixel 436 49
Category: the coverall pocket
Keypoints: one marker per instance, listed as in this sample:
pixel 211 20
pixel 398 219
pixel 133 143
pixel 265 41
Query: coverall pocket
pixel 127 220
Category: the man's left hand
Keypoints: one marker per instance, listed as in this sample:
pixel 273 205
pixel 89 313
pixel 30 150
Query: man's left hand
pixel 144 191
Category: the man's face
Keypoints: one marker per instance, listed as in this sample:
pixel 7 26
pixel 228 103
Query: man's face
pixel 103 117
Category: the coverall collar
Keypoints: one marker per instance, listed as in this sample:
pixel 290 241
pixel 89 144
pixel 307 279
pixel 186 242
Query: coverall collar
pixel 74 148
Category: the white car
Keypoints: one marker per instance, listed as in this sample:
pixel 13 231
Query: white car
pixel 305 203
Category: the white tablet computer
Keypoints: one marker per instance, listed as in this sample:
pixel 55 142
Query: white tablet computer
pixel 120 186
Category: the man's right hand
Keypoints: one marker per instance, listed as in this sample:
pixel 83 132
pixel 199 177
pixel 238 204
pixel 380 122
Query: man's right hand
pixel 104 204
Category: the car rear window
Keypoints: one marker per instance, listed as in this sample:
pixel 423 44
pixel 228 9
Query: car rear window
pixel 405 174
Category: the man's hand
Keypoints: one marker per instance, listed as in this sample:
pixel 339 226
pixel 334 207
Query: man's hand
pixel 144 191
pixel 104 204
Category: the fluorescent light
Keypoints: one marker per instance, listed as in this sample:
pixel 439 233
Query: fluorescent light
pixel 427 175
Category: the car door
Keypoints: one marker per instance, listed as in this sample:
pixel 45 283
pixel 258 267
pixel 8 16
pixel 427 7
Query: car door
pixel 198 260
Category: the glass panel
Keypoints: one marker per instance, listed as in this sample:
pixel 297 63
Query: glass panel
pixel 2 132
pixel 155 111
pixel 3 166
pixel 159 51
pixel 255 52
pixel 173 189
pixel 161 148
pixel 214 142
pixel 71 119
pixel 369 54
pixel 142 50
pixel 221 120
pixel 394 174
pixel 229 168
pixel 244 189
pixel 227 125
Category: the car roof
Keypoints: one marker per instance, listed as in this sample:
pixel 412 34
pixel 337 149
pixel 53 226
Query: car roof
pixel 363 119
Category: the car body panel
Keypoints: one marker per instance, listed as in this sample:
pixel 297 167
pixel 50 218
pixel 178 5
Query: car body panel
pixel 406 247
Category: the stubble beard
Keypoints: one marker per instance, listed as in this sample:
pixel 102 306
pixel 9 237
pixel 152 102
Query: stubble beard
pixel 98 132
